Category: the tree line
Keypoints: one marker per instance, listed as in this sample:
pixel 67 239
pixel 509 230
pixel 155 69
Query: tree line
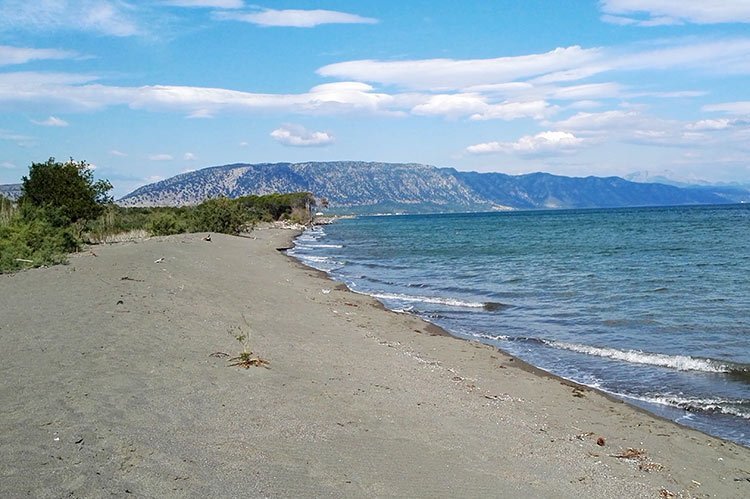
pixel 63 206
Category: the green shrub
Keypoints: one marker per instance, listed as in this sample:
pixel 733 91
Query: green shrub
pixel 68 189
pixel 219 215
pixel 34 239
pixel 165 224
pixel 7 210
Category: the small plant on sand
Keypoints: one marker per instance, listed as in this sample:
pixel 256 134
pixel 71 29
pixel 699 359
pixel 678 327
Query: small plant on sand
pixel 246 358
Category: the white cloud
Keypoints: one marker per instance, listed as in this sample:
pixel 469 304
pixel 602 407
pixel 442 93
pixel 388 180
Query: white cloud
pixel 735 108
pixel 8 165
pixel 298 136
pixel 479 108
pixel 712 125
pixel 508 111
pixel 294 18
pixel 188 156
pixel 544 143
pixel 119 154
pixel 243 144
pixel 451 74
pixel 19 139
pixel 105 17
pixel 52 121
pixel 160 157
pixel 452 105
pixel 21 55
pixel 601 123
pixel 200 114
pixel 211 4
pixel 665 12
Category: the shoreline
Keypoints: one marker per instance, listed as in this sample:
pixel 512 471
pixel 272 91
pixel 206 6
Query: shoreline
pixel 519 363
pixel 113 385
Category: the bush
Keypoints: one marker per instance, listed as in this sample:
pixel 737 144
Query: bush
pixel 219 215
pixel 165 224
pixel 36 240
pixel 68 189
pixel 7 210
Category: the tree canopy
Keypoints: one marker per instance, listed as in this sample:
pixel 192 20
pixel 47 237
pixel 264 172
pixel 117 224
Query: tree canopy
pixel 67 188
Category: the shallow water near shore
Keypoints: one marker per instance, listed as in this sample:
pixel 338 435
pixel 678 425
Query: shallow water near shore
pixel 649 304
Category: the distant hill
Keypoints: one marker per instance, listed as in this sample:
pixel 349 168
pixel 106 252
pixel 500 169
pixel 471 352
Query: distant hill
pixel 735 193
pixel 10 191
pixel 361 187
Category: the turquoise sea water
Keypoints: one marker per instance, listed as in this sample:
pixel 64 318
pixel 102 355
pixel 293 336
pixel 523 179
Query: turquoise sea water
pixel 650 304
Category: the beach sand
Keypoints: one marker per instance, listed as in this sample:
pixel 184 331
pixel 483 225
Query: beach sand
pixel 114 383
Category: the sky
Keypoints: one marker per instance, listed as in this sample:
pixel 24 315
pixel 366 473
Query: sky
pixel 144 90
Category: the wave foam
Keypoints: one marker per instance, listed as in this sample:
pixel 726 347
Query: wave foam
pixel 678 362
pixel 451 302
pixel 739 408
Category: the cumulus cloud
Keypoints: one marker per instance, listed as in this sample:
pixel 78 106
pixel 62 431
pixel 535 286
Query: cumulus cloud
pixel 160 157
pixel 21 55
pixel 52 121
pixel 298 136
pixel 544 143
pixel 666 12
pixel 104 17
pixel 294 18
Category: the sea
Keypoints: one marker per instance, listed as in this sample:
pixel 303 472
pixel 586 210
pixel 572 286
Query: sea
pixel 651 305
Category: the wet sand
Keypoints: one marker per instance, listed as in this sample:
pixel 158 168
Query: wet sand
pixel 115 382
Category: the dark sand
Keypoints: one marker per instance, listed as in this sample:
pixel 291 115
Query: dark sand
pixel 105 399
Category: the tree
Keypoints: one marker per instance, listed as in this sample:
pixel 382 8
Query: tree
pixel 67 189
pixel 220 215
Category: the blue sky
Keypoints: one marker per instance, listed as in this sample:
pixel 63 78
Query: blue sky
pixel 145 89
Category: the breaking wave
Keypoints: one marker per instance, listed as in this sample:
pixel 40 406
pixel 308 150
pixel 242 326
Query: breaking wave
pixel 451 302
pixel 734 407
pixel 678 362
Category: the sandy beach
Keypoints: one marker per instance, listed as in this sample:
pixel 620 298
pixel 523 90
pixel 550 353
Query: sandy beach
pixel 116 382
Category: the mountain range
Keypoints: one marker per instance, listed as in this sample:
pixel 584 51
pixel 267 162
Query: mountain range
pixel 10 191
pixel 370 187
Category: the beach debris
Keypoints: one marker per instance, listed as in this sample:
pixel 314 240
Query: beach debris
pixel 159 260
pixel 649 467
pixel 582 436
pixel 246 361
pixel 24 260
pixel 207 238
pixel 665 493
pixel 631 453
pixel 325 291
pixel 601 441
pixel 639 456
pixel 120 302
pixel 127 278
pixel 219 355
